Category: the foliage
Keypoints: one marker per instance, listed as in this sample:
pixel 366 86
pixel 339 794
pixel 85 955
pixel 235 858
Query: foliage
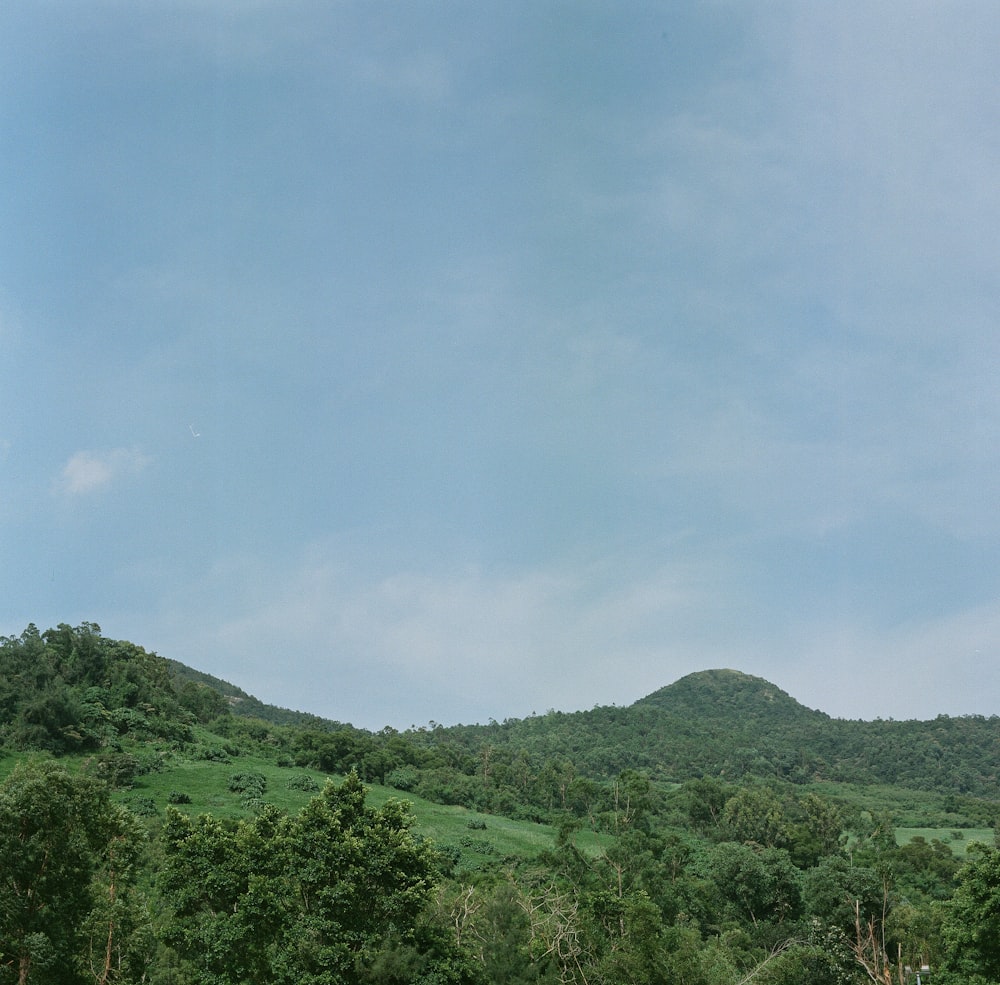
pixel 303 781
pixel 248 783
pixel 732 726
pixel 707 834
pixel 67 856
pixel 756 884
pixel 972 922
pixel 70 689
pixel 312 898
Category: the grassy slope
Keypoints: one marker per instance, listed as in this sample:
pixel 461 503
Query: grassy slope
pixel 958 840
pixel 207 784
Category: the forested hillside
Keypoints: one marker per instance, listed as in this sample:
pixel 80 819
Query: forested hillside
pixel 160 825
pixel 724 723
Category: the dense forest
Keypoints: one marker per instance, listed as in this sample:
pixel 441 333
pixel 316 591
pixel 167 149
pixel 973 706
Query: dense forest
pixel 159 825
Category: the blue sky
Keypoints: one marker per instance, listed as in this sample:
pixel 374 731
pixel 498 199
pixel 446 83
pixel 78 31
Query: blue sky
pixel 447 361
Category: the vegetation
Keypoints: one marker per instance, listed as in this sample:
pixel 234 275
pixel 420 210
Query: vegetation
pixel 159 825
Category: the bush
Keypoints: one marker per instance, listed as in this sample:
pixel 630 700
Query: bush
pixel 176 797
pixel 449 856
pixel 402 778
pixel 213 754
pixel 248 783
pixel 130 720
pixel 143 806
pixel 118 769
pixel 303 782
pixel 174 731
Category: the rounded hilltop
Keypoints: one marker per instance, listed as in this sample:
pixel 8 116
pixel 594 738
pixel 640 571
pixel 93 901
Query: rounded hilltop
pixel 728 694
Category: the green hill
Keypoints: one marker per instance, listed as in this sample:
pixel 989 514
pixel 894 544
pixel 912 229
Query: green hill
pixel 657 822
pixel 70 690
pixel 727 724
pixel 727 695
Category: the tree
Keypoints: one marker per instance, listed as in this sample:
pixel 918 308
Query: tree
pixel 58 832
pixel 831 889
pixel 118 932
pixel 489 922
pixel 312 899
pixel 925 868
pixel 360 874
pixel 758 884
pixel 631 793
pixel 754 814
pixel 817 832
pixel 972 924
pixel 705 800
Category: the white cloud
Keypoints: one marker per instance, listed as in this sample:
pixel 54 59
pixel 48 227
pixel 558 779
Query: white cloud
pixel 850 215
pixel 405 647
pixel 917 669
pixel 88 471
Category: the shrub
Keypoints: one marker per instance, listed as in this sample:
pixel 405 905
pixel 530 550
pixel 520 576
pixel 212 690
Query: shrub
pixel 129 720
pixel 449 856
pixel 402 778
pixel 213 754
pixel 143 806
pixel 248 783
pixel 118 769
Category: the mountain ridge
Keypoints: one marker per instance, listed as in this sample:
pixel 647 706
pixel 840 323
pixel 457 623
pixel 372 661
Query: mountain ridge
pixel 70 690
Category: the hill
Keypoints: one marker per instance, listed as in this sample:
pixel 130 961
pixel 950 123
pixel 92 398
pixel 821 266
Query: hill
pixel 731 725
pixel 247 705
pixel 71 690
pixel 729 695
pixel 711 817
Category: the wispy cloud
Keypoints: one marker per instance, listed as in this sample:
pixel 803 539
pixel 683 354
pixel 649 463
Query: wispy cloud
pixel 591 353
pixel 88 471
pixel 407 646
pixel 915 670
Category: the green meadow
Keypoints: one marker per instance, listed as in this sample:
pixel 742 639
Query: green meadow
pixel 195 786
pixel 959 840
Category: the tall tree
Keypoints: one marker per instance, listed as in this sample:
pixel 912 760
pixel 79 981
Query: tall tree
pixel 312 899
pixel 57 833
pixel 757 884
pixel 972 925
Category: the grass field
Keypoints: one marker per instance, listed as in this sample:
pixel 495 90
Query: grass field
pixel 910 808
pixel 479 839
pixel 957 839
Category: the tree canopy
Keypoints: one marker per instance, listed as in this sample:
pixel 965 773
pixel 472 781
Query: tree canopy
pixel 67 855
pixel 309 899
pixel 705 835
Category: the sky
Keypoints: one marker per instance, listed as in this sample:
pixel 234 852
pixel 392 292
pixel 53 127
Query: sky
pixel 442 361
